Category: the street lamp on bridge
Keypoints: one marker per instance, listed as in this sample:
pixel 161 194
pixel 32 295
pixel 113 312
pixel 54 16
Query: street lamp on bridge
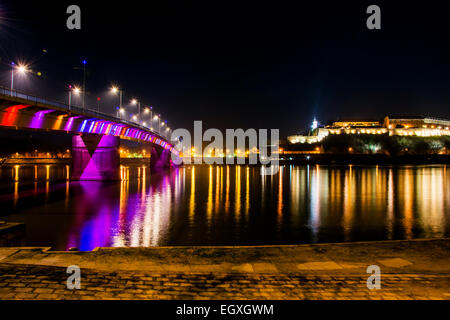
pixel 158 117
pixel 134 101
pixel 84 62
pixel 147 111
pixel 21 69
pixel 75 90
pixel 116 90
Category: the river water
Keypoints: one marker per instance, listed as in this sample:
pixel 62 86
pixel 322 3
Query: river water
pixel 227 205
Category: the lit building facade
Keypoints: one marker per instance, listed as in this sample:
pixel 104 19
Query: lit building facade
pixel 395 126
pixel 422 127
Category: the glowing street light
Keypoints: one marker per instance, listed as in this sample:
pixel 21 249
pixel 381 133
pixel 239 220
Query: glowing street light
pixel 148 110
pixel 135 102
pixel 158 117
pixel 75 90
pixel 22 69
pixel 116 90
pixel 84 62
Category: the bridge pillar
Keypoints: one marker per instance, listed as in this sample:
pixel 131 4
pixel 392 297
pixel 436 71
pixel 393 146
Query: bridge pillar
pixel 95 157
pixel 160 158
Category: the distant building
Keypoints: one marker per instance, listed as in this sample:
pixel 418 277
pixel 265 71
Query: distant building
pixel 356 123
pixel 316 135
pixel 394 126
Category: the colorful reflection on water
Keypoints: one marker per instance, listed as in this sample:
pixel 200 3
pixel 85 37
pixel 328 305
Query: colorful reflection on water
pixel 227 205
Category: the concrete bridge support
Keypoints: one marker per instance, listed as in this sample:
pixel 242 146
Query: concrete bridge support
pixel 95 157
pixel 160 158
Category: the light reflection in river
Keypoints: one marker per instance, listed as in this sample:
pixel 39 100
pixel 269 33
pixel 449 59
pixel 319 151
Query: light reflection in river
pixel 227 205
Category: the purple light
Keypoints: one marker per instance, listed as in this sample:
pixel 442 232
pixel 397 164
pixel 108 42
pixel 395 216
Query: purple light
pixel 69 124
pixel 103 127
pixel 38 119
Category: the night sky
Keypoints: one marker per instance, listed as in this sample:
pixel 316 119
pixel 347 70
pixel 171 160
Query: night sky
pixel 258 65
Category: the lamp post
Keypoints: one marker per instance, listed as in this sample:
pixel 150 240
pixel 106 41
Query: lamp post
pixel 151 117
pixel 116 90
pixel 76 91
pixel 21 69
pixel 12 76
pixel 84 81
pixel 134 101
pixel 146 111
pixel 98 104
pixel 161 125
pixel 157 117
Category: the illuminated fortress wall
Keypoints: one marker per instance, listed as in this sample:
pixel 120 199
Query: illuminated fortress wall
pixel 414 126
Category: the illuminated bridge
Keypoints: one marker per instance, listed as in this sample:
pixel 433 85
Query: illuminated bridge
pixel 96 135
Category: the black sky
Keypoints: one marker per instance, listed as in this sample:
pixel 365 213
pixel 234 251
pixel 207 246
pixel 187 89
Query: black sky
pixel 259 65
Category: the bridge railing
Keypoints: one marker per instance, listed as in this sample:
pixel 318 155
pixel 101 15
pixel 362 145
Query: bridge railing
pixel 84 111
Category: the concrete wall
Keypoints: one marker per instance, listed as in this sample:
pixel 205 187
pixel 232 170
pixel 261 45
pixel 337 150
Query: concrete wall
pixel 95 157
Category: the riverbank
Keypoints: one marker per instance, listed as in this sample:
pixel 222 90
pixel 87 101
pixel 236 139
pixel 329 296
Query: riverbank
pixel 416 269
pixel 34 161
pixel 66 161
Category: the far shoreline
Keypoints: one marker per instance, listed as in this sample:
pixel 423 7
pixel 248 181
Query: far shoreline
pixel 285 159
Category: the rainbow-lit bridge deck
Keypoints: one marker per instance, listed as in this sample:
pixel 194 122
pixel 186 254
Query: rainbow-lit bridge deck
pixel 22 111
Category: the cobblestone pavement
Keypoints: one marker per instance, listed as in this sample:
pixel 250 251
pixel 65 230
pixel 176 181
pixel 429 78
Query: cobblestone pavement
pixel 45 282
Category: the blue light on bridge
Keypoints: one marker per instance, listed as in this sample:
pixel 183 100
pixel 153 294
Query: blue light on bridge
pixel 83 126
pixel 92 125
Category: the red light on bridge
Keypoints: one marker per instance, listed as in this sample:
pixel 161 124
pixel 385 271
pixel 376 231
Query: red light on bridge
pixel 16 107
pixel 9 118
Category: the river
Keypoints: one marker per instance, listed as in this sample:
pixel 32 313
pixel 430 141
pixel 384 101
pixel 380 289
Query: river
pixel 227 205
